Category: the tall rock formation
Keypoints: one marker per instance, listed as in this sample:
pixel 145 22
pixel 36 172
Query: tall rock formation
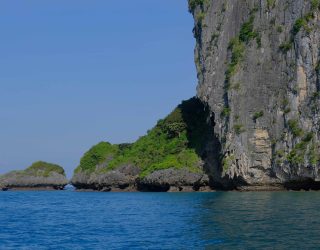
pixel 259 73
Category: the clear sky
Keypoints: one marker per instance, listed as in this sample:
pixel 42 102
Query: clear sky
pixel 76 72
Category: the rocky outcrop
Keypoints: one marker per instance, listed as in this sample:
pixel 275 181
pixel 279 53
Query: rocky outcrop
pixel 40 175
pixel 126 178
pixel 258 65
pixel 3 188
pixel 168 158
pixel 174 180
pixel 121 179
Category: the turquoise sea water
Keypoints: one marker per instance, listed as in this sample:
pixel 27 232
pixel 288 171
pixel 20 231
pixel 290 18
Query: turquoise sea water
pixel 221 220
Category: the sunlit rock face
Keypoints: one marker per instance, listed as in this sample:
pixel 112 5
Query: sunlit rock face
pixel 259 73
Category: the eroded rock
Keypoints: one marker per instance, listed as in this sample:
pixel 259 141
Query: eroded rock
pixel 173 180
pixel 40 175
pixel 123 178
pixel 258 70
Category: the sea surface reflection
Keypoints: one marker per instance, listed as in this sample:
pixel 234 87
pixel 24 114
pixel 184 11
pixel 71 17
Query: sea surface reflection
pixel 219 220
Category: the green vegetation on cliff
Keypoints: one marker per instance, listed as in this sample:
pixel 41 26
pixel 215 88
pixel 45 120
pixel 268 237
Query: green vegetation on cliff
pixel 194 3
pixel 294 128
pixel 44 169
pixel 237 47
pixel 175 142
pixel 301 23
pixel 305 150
pixel 96 156
pixel 271 4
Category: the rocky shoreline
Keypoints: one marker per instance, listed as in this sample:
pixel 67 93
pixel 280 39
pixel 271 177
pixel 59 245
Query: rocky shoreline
pixel 157 183
pixel 127 179
pixel 45 188
pixel 39 176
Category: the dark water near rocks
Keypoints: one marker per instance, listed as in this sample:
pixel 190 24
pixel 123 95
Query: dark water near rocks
pixel 230 220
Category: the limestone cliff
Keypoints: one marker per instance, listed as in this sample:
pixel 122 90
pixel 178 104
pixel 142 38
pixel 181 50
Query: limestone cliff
pixel 259 73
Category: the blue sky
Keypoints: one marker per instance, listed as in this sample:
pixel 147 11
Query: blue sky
pixel 75 72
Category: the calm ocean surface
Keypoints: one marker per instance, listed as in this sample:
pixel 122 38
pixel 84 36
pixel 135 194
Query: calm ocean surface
pixel 221 220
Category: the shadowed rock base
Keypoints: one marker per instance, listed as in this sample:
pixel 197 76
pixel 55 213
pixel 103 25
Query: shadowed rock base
pixel 168 180
pixel 172 180
pixel 303 185
pixel 44 188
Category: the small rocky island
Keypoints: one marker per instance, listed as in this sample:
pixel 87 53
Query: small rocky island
pixel 168 158
pixel 40 175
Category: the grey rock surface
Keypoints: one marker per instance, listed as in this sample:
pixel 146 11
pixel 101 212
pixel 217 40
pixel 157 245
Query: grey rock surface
pixel 264 103
pixel 121 178
pixel 126 178
pixel 32 180
pixel 173 180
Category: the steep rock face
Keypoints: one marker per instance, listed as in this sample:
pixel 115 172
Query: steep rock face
pixel 259 72
pixel 40 175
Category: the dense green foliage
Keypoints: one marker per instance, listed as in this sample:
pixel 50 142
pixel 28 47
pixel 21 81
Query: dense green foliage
pixel 301 22
pixel 307 149
pixel 227 162
pixel 225 112
pixel 200 16
pixel 44 169
pixel 96 155
pixel 315 5
pixel 238 129
pixel 257 115
pixel 175 142
pixel 237 52
pixel 247 32
pixel 194 3
pixel 294 128
pixel 285 47
pixel 271 4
